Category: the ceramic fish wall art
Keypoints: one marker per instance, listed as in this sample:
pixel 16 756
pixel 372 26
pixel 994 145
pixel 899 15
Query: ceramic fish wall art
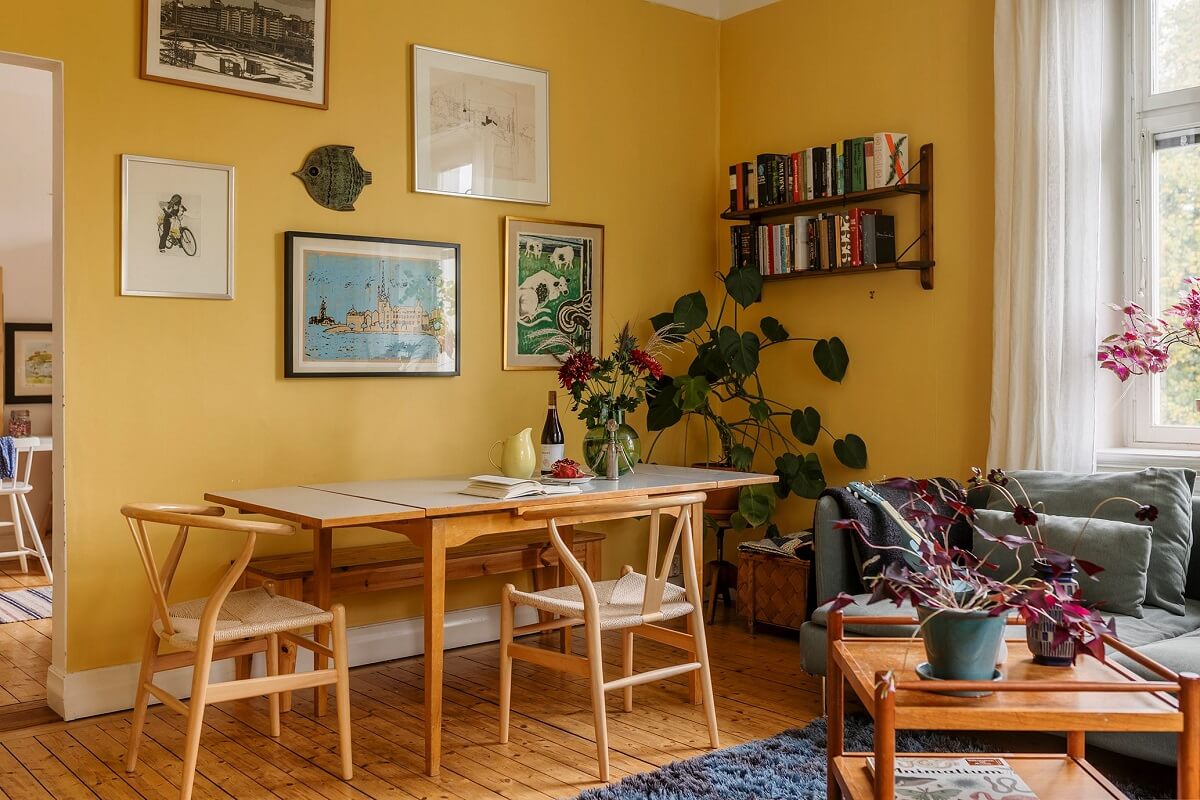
pixel 333 176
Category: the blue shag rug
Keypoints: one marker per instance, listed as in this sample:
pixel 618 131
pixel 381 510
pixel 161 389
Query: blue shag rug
pixel 789 765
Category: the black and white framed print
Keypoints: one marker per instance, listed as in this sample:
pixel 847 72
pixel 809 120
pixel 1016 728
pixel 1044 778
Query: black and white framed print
pixel 273 49
pixel 176 228
pixel 361 306
pixel 28 362
pixel 481 128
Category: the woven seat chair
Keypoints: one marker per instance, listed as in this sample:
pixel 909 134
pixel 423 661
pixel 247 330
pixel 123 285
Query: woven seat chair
pixel 226 624
pixel 630 604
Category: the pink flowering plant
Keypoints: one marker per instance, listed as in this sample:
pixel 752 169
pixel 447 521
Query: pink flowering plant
pixel 942 576
pixel 1143 346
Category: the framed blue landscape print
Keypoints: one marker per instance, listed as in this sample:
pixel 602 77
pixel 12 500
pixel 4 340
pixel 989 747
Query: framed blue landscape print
pixel 361 306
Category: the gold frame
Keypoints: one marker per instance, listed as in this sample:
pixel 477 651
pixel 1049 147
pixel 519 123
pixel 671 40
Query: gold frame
pixel 597 287
pixel 143 64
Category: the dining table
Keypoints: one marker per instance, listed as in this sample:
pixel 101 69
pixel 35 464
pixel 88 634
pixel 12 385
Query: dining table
pixel 435 516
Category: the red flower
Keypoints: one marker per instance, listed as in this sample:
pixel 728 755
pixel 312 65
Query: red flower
pixel 644 362
pixel 1024 516
pixel 1146 513
pixel 576 369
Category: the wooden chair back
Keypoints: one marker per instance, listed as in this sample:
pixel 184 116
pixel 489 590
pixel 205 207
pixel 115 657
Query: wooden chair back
pixel 185 518
pixel 658 567
pixel 21 465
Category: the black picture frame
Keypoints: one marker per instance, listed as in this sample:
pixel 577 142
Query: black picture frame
pixel 11 329
pixel 294 311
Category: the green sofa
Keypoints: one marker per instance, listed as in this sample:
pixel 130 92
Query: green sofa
pixel 1170 637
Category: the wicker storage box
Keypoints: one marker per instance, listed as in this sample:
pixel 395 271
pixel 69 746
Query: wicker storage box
pixel 773 590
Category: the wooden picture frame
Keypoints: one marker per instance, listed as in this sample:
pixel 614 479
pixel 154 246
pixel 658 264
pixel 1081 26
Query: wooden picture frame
pixel 370 306
pixel 25 386
pixel 545 287
pixel 229 54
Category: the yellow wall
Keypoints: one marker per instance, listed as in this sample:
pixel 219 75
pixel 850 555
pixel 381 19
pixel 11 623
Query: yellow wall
pixel 169 398
pixel 919 378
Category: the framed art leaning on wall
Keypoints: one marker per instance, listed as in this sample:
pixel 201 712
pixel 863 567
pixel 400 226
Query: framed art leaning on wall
pixel 361 306
pixel 28 362
pixel 176 228
pixel 481 128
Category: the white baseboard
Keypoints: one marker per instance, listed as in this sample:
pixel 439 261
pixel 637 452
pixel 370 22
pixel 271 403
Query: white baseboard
pixel 101 691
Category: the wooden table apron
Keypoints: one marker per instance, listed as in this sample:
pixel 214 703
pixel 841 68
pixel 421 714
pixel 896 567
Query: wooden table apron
pixel 438 527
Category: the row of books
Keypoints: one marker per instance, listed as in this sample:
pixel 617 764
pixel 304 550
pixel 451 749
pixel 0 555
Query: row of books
pixel 852 238
pixel 854 165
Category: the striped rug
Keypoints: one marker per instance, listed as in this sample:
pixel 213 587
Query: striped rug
pixel 26 604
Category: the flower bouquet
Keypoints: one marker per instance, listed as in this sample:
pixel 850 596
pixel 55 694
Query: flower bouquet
pixel 1143 346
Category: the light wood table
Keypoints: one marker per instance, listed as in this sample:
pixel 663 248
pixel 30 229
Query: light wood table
pixel 1091 696
pixel 434 516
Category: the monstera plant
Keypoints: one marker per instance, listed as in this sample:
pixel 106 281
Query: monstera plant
pixel 724 392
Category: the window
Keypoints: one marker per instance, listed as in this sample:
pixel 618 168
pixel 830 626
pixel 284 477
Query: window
pixel 1165 167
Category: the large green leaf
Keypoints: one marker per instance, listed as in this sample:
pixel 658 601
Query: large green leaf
pixel 740 352
pixel 691 392
pixel 787 467
pixel 773 330
pixel 744 285
pixel 809 480
pixel 709 362
pixel 831 358
pixel 691 311
pixel 741 457
pixel 806 425
pixel 760 410
pixel 661 410
pixel 756 504
pixel 851 451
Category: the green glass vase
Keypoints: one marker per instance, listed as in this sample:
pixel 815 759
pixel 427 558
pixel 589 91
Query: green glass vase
pixel 595 442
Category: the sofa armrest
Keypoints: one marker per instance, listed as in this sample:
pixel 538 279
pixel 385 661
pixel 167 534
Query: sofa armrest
pixel 833 557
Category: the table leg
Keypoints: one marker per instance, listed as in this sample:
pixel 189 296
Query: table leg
pixel 1189 739
pixel 885 737
pixel 567 533
pixel 834 706
pixel 435 613
pixel 322 597
pixel 1076 746
pixel 695 695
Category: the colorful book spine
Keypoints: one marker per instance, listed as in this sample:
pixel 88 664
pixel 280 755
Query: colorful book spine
pixel 891 159
pixel 869 162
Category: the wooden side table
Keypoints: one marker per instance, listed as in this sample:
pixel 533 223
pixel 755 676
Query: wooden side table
pixel 1091 696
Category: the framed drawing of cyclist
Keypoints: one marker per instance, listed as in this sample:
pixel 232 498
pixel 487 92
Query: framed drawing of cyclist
pixel 273 49
pixel 176 228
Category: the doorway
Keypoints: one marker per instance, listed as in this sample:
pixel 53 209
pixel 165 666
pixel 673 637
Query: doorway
pixel 32 605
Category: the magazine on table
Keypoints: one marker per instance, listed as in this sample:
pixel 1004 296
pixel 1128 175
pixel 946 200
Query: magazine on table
pixel 967 778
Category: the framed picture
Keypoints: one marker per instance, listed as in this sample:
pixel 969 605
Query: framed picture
pixel 481 128
pixel 274 49
pixel 28 362
pixel 361 306
pixel 176 228
pixel 553 282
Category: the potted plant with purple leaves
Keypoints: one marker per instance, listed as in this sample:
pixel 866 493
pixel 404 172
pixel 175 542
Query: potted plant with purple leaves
pixel 1144 344
pixel 962 599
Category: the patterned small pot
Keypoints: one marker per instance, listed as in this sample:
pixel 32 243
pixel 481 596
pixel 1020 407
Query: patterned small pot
pixel 1041 633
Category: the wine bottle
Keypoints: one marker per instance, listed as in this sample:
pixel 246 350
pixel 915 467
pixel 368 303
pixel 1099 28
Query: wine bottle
pixel 552 436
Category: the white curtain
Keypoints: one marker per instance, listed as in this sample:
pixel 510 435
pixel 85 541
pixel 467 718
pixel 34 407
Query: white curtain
pixel 1049 89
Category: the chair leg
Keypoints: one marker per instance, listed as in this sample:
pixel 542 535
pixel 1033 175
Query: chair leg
pixel 141 700
pixel 506 635
pixel 706 689
pixel 287 665
pixel 195 719
pixel 37 538
pixel 341 662
pixel 596 662
pixel 272 671
pixel 18 531
pixel 627 666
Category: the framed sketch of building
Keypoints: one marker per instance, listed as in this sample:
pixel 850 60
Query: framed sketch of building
pixel 361 306
pixel 176 228
pixel 481 128
pixel 274 49
pixel 553 284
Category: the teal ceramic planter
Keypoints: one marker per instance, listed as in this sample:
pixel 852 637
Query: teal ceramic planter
pixel 961 645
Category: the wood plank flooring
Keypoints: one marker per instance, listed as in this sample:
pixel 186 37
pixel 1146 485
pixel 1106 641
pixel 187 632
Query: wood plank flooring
pixel 24 655
pixel 551 754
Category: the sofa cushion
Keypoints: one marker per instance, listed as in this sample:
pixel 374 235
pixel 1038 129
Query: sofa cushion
pixel 1121 548
pixel 1157 624
pixel 1076 495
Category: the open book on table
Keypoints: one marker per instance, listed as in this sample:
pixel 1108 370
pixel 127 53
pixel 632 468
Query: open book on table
pixel 967 777
pixel 501 488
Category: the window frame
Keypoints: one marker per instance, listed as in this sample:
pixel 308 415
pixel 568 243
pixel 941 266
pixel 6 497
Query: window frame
pixel 1149 115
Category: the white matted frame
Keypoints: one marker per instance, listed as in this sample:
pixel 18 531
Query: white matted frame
pixel 481 128
pixel 197 261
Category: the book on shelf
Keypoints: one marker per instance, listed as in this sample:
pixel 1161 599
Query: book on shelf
pixel 891 159
pixel 878 239
pixel 499 487
pixel 956 778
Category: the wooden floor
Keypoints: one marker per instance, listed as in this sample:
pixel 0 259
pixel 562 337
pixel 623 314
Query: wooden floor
pixel 24 655
pixel 760 691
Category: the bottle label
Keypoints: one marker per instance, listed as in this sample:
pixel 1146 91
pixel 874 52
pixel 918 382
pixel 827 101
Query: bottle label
pixel 550 454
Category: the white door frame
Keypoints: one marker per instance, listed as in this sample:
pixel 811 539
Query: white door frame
pixel 58 555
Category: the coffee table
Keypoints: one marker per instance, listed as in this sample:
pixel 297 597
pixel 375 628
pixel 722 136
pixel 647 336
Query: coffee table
pixel 1091 696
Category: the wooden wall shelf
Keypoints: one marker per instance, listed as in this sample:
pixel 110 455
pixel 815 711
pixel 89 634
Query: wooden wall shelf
pixel 923 190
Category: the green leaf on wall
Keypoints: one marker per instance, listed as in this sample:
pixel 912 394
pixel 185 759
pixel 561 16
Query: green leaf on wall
pixel 691 393
pixel 744 285
pixel 851 450
pixel 741 457
pixel 691 311
pixel 773 330
pixel 740 352
pixel 831 358
pixel 806 425
pixel 756 504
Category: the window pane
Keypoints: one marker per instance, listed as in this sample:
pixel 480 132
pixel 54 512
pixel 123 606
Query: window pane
pixel 1177 256
pixel 1176 52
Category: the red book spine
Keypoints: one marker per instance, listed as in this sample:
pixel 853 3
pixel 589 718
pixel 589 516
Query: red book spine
pixel 856 215
pixel 798 177
pixel 740 171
